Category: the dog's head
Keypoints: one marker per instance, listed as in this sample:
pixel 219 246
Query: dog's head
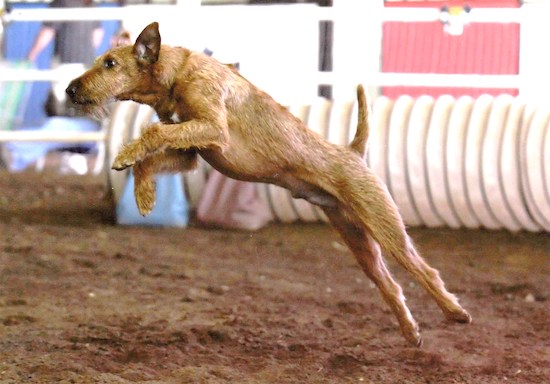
pixel 121 73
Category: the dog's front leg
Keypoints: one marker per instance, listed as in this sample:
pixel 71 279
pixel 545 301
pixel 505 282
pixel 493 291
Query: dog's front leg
pixel 170 161
pixel 199 134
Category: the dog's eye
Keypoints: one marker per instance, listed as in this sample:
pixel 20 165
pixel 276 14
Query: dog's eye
pixel 109 63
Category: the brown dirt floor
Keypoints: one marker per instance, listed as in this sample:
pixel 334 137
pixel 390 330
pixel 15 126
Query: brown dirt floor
pixel 85 301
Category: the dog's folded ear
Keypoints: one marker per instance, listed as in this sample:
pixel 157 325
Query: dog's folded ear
pixel 147 46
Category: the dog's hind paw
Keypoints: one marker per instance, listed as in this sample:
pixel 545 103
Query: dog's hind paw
pixel 459 316
pixel 414 339
pixel 409 329
pixel 145 196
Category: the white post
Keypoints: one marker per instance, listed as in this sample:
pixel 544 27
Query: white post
pixel 357 43
pixel 534 61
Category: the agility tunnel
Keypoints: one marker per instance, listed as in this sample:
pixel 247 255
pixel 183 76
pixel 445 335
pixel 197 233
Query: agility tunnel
pixel 455 162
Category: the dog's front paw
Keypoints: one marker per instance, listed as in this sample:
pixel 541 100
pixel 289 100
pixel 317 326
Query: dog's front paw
pixel 121 163
pixel 127 157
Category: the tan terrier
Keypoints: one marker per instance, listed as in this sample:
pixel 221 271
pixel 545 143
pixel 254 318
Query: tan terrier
pixel 206 108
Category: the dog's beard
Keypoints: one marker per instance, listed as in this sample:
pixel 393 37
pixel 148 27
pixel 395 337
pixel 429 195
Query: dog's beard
pixel 98 112
pixel 96 109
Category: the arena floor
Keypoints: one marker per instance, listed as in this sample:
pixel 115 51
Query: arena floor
pixel 84 301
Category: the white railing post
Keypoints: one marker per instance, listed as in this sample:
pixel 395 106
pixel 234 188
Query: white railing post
pixel 357 43
pixel 533 61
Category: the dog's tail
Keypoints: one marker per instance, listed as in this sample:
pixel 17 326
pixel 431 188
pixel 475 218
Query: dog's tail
pixel 360 141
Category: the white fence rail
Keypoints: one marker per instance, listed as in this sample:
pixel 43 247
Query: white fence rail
pixel 52 136
pixel 476 15
pixel 239 13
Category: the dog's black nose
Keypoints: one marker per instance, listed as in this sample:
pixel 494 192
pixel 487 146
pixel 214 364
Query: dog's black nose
pixel 72 89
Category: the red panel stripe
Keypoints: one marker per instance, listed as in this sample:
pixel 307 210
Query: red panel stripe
pixel 424 47
pixel 454 3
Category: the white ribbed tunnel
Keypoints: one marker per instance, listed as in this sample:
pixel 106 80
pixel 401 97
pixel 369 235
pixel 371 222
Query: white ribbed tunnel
pixel 461 163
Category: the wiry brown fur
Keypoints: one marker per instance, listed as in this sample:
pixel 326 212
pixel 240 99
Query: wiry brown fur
pixel 208 109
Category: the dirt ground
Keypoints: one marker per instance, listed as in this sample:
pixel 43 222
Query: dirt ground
pixel 85 301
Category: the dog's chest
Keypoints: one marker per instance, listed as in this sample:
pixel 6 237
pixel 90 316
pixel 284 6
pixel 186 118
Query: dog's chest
pixel 175 118
pixel 169 113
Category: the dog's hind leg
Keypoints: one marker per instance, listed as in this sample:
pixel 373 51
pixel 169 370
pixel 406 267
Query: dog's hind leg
pixel 380 215
pixel 430 279
pixel 370 259
pixel 169 161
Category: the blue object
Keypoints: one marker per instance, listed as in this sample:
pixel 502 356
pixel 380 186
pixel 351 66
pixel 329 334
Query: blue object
pixel 19 37
pixel 171 208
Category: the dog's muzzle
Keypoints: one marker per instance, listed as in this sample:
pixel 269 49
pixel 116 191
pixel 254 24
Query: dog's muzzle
pixel 73 91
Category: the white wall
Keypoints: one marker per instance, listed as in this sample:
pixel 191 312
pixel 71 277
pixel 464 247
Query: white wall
pixel 276 46
pixel 534 57
pixel 357 43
